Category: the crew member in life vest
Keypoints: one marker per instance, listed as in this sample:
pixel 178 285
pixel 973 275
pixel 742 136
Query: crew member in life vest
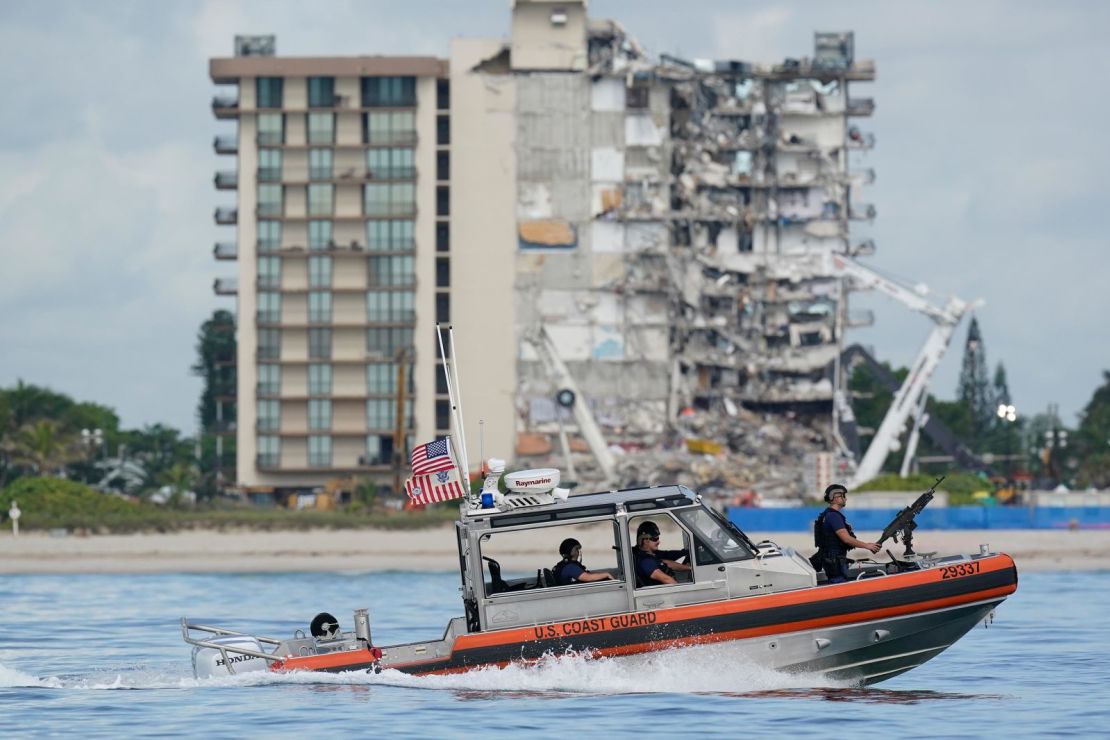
pixel 654 566
pixel 834 537
pixel 570 569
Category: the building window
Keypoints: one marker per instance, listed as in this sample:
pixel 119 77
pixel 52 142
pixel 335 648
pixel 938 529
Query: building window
pixel 443 415
pixel 319 234
pixel 269 307
pixel 319 164
pixel 269 451
pixel 319 271
pixel 269 380
pixel 319 414
pixel 394 271
pixel 267 92
pixel 396 127
pixel 443 130
pixel 443 201
pixel 321 128
pixel 321 199
pixel 388 92
pixel 441 384
pixel 269 415
pixel 319 307
pixel 381 379
pixel 636 97
pixel 379 449
pixel 443 308
pixel 443 94
pixel 319 380
pixel 269 236
pixel 443 236
pixel 443 272
pixel 390 164
pixel 319 344
pixel 271 128
pixel 443 166
pixel 381 413
pixel 269 272
pixel 390 308
pixel 385 341
pixel 390 236
pixel 269 344
pixel 389 199
pixel 319 451
pixel 321 92
pixel 269 199
pixel 269 165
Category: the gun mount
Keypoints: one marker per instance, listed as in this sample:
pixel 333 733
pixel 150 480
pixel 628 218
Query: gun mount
pixel 903 523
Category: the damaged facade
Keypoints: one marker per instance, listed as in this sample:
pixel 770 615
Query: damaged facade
pixel 665 215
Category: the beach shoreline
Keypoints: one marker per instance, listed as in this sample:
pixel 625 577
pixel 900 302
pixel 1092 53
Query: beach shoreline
pixel 434 549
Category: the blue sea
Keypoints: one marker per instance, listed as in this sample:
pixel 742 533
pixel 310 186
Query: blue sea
pixel 102 656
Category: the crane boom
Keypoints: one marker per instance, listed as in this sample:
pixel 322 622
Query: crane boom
pixel 913 389
pixel 587 425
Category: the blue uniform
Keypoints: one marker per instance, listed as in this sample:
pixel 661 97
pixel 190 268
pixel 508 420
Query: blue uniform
pixel 646 564
pixel 834 552
pixel 567 572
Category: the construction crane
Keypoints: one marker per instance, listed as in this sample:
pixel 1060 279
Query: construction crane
pixel 910 397
pixel 569 397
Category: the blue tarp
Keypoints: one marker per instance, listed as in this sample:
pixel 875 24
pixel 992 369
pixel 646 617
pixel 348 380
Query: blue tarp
pixel 952 517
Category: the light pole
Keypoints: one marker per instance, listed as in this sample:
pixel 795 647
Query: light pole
pixel 1007 415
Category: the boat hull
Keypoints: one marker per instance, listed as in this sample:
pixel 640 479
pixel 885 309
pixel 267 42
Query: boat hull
pixel 860 632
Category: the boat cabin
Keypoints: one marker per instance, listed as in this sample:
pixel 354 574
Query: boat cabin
pixel 503 587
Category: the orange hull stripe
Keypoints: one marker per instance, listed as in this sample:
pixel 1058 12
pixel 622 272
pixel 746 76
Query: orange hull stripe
pixel 809 624
pixel 754 603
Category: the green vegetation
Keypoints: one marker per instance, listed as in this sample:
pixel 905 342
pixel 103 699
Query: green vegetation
pixel 48 503
pixel 960 486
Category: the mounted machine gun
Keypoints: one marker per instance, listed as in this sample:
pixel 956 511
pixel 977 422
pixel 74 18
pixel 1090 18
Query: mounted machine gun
pixel 903 524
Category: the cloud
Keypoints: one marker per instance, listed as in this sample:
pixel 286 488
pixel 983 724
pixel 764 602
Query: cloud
pixel 990 164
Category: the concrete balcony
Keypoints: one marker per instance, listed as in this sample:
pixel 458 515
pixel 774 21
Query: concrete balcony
pixel 227 216
pixel 225 286
pixel 225 106
pixel 225 251
pixel 226 180
pixel 862 212
pixel 858 319
pixel 860 106
pixel 226 145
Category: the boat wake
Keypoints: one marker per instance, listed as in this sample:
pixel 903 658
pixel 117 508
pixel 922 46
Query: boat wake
pixel 695 669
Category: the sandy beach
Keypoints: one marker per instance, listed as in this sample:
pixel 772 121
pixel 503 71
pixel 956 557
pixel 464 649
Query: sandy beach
pixel 435 550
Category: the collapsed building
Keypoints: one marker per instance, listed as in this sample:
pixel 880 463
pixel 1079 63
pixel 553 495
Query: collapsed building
pixel 634 251
pixel 667 214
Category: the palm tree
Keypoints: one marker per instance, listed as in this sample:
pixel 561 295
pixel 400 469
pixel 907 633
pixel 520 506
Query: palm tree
pixel 44 446
pixel 181 478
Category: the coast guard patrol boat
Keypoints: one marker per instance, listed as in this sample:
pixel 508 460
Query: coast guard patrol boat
pixel 765 599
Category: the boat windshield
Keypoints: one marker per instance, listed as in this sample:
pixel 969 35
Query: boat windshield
pixel 726 542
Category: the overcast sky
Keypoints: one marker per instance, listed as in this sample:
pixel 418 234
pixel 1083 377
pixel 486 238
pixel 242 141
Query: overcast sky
pixel 992 162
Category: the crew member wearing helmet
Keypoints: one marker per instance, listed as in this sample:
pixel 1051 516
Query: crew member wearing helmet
pixel 655 566
pixel 570 569
pixel 834 537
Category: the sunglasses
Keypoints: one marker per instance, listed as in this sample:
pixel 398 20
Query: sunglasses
pixel 653 539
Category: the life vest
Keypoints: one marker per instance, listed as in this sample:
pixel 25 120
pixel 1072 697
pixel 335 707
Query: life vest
pixel 557 572
pixel 828 544
pixel 643 580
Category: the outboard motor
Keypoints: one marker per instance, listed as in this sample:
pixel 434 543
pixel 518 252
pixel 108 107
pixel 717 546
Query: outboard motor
pixel 208 662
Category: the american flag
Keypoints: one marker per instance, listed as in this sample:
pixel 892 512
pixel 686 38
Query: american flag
pixel 432 457
pixel 435 476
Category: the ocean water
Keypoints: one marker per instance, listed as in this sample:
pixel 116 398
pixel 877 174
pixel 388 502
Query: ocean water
pixel 102 656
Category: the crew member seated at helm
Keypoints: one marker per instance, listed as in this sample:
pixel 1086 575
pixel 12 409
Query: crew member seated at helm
pixel 655 566
pixel 570 569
